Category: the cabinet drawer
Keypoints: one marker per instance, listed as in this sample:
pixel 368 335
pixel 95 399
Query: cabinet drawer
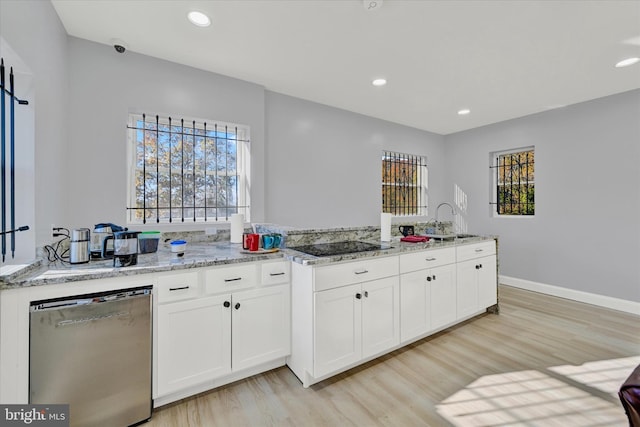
pixel 476 250
pixel 226 279
pixel 426 259
pixel 333 276
pixel 273 273
pixel 178 286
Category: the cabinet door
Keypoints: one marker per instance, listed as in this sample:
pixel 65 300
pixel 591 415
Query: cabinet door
pixel 261 327
pixel 380 315
pixel 467 287
pixel 194 342
pixel 415 304
pixel 443 296
pixel 487 282
pixel 337 329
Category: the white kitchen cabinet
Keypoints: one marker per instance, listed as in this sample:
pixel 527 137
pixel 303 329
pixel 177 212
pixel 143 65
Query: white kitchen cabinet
pixel 338 329
pixel 194 342
pixel 380 315
pixel 427 297
pixel 220 324
pixel 415 304
pixel 260 326
pixel 354 322
pixel 477 278
pixel 487 281
pixel 443 296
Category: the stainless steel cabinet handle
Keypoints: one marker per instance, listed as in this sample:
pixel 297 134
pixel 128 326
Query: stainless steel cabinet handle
pixel 277 274
pixel 235 279
pixel 430 259
pixel 361 272
pixel 179 289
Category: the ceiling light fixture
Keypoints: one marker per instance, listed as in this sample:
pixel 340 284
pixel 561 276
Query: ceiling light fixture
pixel 199 19
pixel 464 112
pixel 379 82
pixel 627 62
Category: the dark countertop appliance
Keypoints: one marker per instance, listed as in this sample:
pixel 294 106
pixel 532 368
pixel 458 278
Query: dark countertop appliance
pixel 340 248
pixel 101 247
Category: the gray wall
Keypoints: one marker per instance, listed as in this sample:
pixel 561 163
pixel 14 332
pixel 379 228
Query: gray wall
pixel 34 32
pixel 318 166
pixel 105 85
pixel 586 232
pixel 323 164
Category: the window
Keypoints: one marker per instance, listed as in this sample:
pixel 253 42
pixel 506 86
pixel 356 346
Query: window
pixel 186 170
pixel 514 182
pixel 404 184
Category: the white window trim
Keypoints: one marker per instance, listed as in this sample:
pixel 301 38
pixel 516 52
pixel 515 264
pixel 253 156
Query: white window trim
pixel 243 165
pixel 494 182
pixel 423 184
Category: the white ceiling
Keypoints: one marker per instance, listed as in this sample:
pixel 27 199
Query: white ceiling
pixel 501 59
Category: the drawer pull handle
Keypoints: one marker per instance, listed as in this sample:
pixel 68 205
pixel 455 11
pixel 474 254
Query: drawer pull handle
pixel 479 250
pixel 237 306
pixel 428 278
pixel 430 259
pixel 276 274
pixel 235 279
pixel 179 289
pixel 227 304
pixel 361 272
pixel 358 295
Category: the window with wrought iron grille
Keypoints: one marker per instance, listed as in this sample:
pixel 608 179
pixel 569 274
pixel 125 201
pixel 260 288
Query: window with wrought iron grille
pixel 186 170
pixel 404 184
pixel 514 184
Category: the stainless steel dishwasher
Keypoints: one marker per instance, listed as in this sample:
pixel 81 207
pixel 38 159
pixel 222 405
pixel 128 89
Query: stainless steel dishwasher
pixel 93 352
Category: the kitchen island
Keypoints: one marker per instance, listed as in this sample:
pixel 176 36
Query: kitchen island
pixel 218 297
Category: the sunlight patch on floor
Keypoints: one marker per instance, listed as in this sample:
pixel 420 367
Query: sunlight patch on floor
pixel 534 398
pixel 604 375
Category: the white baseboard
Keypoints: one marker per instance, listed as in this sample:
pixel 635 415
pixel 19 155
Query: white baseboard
pixel 580 296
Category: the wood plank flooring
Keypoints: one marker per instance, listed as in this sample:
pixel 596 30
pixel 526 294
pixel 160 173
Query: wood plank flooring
pixel 543 361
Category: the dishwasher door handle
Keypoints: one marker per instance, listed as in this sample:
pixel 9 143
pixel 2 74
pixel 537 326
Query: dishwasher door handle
pixel 81 320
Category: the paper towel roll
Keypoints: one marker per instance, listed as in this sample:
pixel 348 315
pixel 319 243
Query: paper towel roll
pixel 385 227
pixel 237 228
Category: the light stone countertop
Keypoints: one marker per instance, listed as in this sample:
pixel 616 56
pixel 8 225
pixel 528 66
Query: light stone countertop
pixel 196 255
pixel 397 247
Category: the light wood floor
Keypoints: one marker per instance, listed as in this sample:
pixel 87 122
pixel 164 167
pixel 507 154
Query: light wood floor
pixel 543 361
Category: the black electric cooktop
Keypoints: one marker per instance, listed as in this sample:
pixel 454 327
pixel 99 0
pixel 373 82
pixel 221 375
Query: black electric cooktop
pixel 339 248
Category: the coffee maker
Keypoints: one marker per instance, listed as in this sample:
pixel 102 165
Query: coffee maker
pixel 125 248
pixel 101 247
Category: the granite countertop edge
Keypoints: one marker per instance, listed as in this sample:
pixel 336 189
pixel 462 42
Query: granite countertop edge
pixel 397 247
pixel 41 273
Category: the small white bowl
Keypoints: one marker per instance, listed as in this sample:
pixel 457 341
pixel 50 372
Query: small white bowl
pixel 178 246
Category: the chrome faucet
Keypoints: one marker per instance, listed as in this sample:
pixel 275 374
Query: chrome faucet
pixel 453 212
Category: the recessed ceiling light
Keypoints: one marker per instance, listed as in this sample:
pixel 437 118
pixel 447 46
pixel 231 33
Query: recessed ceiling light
pixel 199 19
pixel 627 62
pixel 464 112
pixel 379 82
